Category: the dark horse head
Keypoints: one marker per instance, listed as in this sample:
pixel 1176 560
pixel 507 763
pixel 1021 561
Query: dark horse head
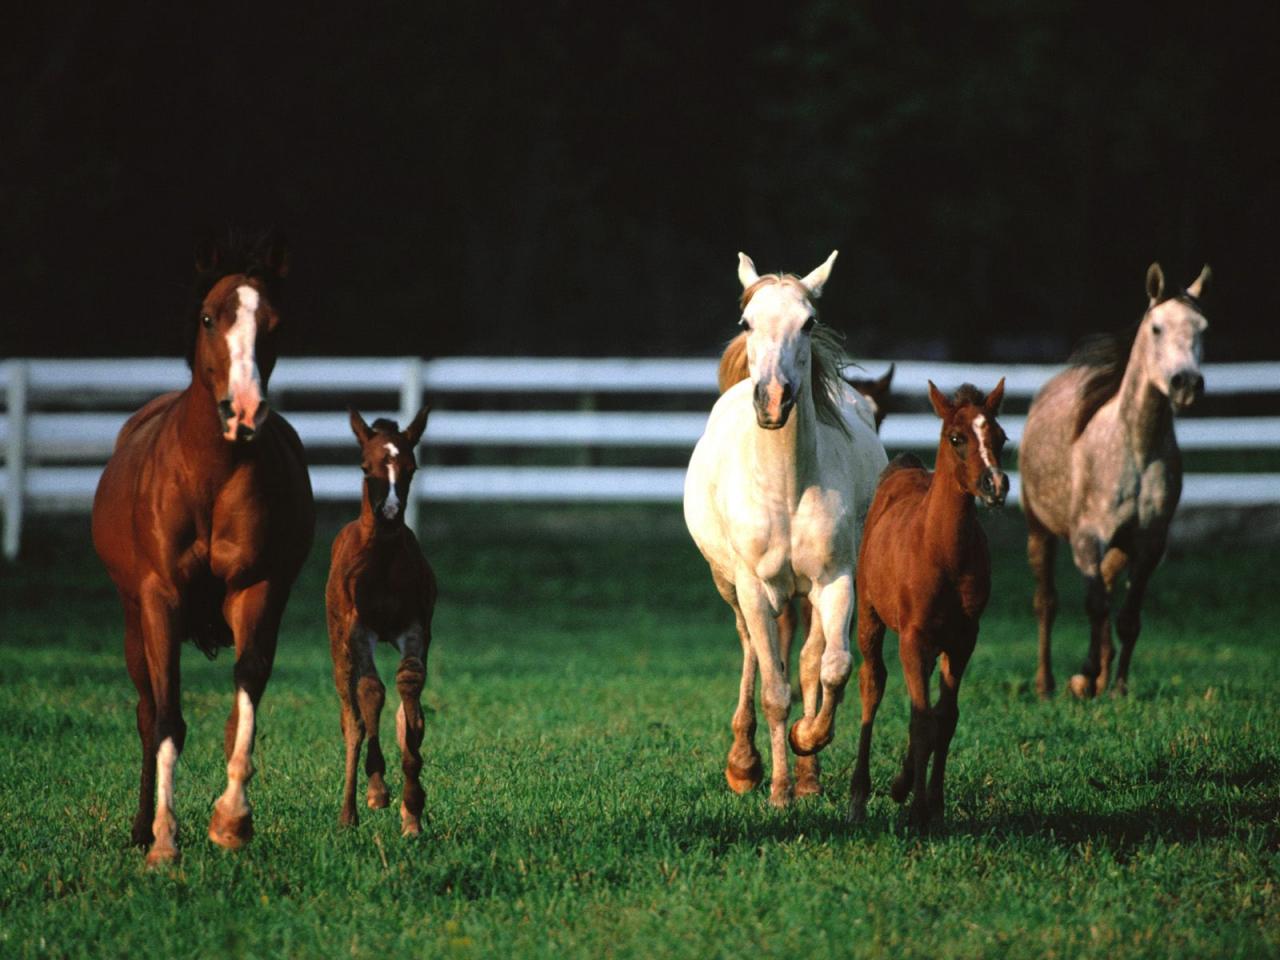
pixel 973 440
pixel 232 349
pixel 388 461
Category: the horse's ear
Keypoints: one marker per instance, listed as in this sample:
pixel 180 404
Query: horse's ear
pixel 884 383
pixel 413 432
pixel 361 429
pixel 1197 288
pixel 817 278
pixel 1155 283
pixel 941 405
pixel 208 254
pixel 275 255
pixel 746 271
pixel 994 399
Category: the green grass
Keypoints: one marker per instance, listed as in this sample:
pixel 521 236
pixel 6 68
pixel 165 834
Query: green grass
pixel 581 684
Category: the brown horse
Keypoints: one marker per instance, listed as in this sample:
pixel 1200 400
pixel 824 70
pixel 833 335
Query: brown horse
pixel 1101 468
pixel 924 571
pixel 381 588
pixel 203 517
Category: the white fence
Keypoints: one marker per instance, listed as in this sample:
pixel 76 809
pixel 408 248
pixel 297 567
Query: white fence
pixel 56 433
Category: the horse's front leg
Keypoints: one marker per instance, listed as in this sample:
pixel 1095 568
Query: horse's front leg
pixel 947 713
pixel 410 678
pixel 808 767
pixel 1092 678
pixel 159 610
pixel 775 694
pixel 1129 621
pixel 743 769
pixel 253 613
pixel 825 658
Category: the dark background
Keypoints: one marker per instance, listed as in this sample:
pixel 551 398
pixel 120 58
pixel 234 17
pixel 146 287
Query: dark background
pixel 558 178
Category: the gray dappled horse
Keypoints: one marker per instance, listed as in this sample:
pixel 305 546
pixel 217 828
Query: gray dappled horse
pixel 1101 468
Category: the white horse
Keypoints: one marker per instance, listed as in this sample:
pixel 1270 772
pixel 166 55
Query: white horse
pixel 775 498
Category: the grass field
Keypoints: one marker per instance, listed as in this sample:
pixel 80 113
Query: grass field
pixel 581 684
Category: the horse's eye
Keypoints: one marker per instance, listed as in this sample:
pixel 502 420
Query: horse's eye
pixel 809 325
pixel 744 324
pixel 956 439
pixel 1157 329
pixel 206 320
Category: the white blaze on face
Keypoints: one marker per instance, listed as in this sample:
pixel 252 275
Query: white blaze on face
pixel 391 507
pixel 981 431
pixel 243 384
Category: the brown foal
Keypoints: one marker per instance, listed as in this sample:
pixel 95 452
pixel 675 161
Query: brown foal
pixel 924 571
pixel 381 588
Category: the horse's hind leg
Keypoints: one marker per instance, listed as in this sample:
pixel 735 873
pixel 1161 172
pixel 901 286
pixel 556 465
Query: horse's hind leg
pixel 344 679
pixel 871 677
pixel 410 679
pixel 947 713
pixel 136 660
pixel 1042 548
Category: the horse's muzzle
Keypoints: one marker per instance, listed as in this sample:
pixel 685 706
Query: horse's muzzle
pixel 995 487
pixel 1185 388
pixel 774 402
pixel 238 428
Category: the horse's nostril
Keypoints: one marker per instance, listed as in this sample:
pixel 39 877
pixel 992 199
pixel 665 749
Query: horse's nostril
pixel 1179 381
pixel 786 393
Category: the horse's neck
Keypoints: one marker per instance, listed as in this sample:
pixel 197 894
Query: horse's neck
pixel 200 432
pixel 784 461
pixel 1143 413
pixel 948 510
pixel 380 543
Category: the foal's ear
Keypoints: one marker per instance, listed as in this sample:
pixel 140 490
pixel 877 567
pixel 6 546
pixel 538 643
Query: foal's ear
pixel 746 271
pixel 413 432
pixel 361 429
pixel 994 398
pixel 817 278
pixel 941 405
pixel 1197 288
pixel 1155 283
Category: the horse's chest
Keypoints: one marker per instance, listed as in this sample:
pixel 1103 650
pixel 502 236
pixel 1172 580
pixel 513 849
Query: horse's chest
pixel 383 601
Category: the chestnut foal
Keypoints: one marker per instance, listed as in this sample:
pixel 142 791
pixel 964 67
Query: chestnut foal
pixel 924 571
pixel 381 588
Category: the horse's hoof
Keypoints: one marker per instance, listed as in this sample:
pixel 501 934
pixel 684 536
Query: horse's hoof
pixel 410 826
pixel 803 742
pixel 900 789
pixel 1045 688
pixel 378 798
pixel 857 809
pixel 161 856
pixel 807 777
pixel 348 817
pixel 141 835
pixel 780 796
pixel 231 831
pixel 744 779
pixel 1080 687
pixel 918 817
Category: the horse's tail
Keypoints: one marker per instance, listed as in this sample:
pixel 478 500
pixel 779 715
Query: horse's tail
pixel 207 626
pixel 733 363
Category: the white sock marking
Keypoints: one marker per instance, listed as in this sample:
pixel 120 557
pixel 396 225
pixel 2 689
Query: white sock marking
pixel 240 766
pixel 166 761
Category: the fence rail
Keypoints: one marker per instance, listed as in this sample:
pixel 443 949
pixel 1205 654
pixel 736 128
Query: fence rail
pixel 62 417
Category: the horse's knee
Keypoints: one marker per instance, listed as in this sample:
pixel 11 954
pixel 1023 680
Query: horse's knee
pixel 776 699
pixel 411 678
pixel 370 695
pixel 836 666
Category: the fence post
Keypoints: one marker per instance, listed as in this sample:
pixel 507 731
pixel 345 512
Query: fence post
pixel 410 400
pixel 15 458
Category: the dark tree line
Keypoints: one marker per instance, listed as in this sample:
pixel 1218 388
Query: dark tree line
pixel 562 178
